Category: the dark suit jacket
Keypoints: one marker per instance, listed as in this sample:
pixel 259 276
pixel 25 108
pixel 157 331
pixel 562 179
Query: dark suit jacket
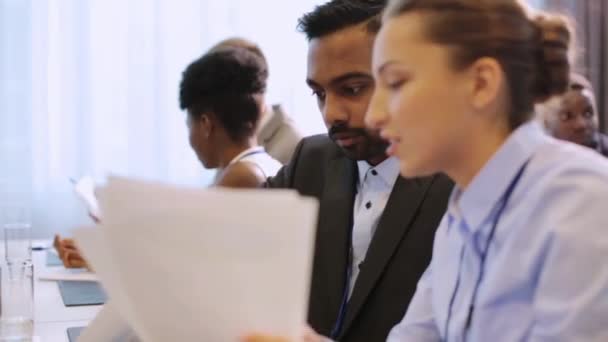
pixel 397 256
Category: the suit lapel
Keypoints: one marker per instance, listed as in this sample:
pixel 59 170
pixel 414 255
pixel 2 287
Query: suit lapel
pixel 396 220
pixel 334 227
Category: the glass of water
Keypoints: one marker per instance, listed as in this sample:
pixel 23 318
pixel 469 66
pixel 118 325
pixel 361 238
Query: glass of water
pixel 17 234
pixel 16 302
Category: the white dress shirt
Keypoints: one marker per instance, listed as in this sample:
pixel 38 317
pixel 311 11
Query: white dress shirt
pixel 374 187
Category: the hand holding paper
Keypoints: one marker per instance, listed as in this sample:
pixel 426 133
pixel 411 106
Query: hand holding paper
pixel 69 253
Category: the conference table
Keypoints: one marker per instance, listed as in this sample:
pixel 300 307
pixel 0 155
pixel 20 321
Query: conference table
pixel 51 317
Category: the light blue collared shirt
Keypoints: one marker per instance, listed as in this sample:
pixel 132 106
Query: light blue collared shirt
pixel 546 276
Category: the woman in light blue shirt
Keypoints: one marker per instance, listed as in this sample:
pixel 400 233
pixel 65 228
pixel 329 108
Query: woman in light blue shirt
pixel 521 253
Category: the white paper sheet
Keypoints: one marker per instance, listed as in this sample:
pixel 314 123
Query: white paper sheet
pixel 68 275
pixel 97 252
pixel 207 265
pixel 65 275
pixel 85 189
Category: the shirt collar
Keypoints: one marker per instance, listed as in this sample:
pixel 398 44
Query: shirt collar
pixel 388 170
pixel 475 203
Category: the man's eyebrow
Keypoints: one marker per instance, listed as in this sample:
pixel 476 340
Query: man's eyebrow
pixel 340 79
pixel 349 76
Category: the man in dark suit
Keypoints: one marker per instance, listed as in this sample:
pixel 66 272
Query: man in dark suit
pixel 375 229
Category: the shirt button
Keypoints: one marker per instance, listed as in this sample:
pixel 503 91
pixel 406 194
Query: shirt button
pixel 374 172
pixel 368 205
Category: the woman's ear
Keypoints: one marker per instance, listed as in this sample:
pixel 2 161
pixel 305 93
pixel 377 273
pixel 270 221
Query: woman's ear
pixel 206 124
pixel 487 79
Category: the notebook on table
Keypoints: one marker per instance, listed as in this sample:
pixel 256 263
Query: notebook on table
pixel 73 333
pixel 80 293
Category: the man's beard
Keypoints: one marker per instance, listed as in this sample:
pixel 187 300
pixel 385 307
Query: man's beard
pixel 369 146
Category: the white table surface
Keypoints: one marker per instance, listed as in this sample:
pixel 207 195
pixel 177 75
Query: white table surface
pixel 51 316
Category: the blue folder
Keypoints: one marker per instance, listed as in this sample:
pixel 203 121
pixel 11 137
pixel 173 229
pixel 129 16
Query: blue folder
pixel 79 293
pixel 73 333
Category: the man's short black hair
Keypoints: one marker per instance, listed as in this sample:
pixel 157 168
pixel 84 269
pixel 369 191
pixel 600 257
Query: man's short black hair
pixel 336 15
pixel 225 81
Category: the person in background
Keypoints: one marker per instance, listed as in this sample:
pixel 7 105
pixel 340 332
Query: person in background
pixel 574 116
pixel 222 93
pixel 520 253
pixel 277 132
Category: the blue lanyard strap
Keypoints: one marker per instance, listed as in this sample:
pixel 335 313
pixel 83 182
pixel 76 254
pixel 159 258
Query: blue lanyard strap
pixel 503 204
pixel 453 297
pixel 482 262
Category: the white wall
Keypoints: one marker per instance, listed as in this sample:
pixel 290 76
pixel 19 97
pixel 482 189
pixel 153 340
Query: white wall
pixel 89 87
